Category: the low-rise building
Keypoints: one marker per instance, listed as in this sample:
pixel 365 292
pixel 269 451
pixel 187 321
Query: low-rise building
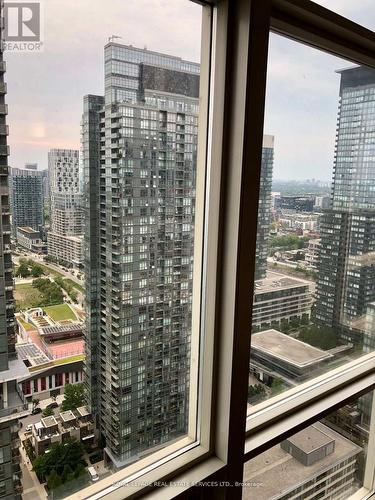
pixel 314 463
pixel 276 355
pixel 280 298
pixel 28 238
pixel 77 424
pixel 44 376
pixel 65 248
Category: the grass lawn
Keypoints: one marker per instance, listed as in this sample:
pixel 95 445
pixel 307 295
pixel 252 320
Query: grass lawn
pixel 26 296
pixel 26 326
pixel 74 284
pixel 60 312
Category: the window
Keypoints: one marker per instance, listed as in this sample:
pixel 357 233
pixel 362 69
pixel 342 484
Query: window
pixel 188 377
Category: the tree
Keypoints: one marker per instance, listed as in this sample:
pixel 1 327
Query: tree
pixel 35 403
pixel 67 472
pixel 70 453
pixel 322 337
pixel 74 397
pixel 54 393
pixel 36 271
pixel 47 412
pixel 54 480
pixel 23 270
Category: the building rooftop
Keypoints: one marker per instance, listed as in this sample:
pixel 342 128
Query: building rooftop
pixel 67 416
pixel 48 421
pixel 32 354
pixel 284 347
pixel 16 370
pixel 83 411
pixel 28 229
pixel 277 281
pixel 310 439
pixel 275 472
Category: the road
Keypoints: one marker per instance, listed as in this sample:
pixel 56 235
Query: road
pixel 39 258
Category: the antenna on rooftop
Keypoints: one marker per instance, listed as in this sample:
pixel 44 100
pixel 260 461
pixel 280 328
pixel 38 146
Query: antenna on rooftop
pixel 113 37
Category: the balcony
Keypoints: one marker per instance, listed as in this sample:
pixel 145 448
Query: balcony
pixel 4 170
pixel 3 67
pixel 3 109
pixel 4 150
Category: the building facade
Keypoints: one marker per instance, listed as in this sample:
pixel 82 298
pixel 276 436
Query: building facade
pixel 139 159
pixel 317 462
pixel 346 270
pixel 264 207
pixel 27 199
pixel 279 298
pixel 12 402
pixel 30 239
pixel 65 237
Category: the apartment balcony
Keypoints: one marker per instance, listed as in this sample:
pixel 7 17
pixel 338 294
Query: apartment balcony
pixel 4 170
pixel 4 130
pixel 3 109
pixel 3 67
pixel 3 88
pixel 4 150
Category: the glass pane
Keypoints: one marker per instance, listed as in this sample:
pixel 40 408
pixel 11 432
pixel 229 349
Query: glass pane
pixel 103 137
pixel 314 299
pixel 325 460
pixel 360 11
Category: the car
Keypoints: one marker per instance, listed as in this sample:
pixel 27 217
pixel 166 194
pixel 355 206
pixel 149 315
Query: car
pixel 53 405
pixel 93 474
pixel 36 410
pixel 29 428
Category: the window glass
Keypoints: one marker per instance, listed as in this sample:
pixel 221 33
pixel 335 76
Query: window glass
pixel 324 460
pixel 107 125
pixel 314 295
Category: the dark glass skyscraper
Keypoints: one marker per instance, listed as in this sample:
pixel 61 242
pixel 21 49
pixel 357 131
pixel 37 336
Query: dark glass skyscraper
pixel 139 147
pixel 264 208
pixel 27 198
pixel 12 402
pixel 346 273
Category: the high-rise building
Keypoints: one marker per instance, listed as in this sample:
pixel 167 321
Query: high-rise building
pixel 346 267
pixel 12 402
pixel 264 208
pixel 139 158
pixel 26 199
pixel 139 161
pixel 65 237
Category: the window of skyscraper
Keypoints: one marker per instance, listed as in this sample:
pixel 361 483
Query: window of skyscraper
pixel 187 235
pixel 313 303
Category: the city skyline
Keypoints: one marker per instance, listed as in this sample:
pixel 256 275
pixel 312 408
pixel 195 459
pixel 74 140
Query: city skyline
pixel 38 125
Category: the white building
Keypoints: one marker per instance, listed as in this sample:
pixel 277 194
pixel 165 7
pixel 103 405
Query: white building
pixel 281 298
pixel 314 463
pixel 65 238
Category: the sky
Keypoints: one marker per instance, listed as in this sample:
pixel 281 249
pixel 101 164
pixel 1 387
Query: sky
pixel 45 90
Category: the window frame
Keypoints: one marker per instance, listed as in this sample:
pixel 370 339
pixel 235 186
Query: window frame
pixel 236 83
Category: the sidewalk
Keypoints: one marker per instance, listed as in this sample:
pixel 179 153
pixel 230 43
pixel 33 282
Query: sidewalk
pixel 45 402
pixel 32 488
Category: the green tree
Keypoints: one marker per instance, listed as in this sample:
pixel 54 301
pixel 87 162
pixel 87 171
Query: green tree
pixel 36 271
pixel 67 472
pixel 54 480
pixel 47 412
pixel 35 403
pixel 70 453
pixel 23 270
pixel 74 397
